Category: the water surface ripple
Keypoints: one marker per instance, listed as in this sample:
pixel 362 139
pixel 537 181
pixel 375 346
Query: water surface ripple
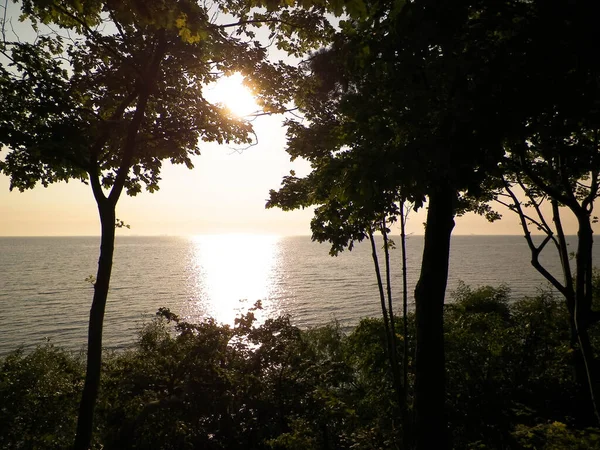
pixel 44 293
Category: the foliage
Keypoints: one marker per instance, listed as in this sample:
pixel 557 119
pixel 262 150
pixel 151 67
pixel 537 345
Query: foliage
pixel 376 404
pixel 272 386
pixel 485 300
pixel 111 90
pixel 408 103
pixel 213 386
pixel 71 102
pixel 554 149
pixel 508 362
pixel 39 392
pixel 388 113
pixel 556 436
pixel 552 157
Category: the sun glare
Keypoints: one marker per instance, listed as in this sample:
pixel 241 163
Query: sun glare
pixel 231 93
pixel 232 272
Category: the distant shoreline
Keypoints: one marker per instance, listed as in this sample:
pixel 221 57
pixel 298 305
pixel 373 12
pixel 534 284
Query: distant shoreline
pixel 243 234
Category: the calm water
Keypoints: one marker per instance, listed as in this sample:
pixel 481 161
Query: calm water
pixel 44 294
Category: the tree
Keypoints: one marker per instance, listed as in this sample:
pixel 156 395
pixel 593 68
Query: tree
pixel 117 91
pixel 581 314
pixel 351 207
pixel 418 109
pixel 553 158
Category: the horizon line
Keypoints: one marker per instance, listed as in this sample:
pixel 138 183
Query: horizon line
pixel 188 235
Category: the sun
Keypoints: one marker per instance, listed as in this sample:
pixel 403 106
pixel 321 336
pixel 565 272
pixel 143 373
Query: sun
pixel 231 93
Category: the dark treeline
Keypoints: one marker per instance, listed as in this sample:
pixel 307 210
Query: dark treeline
pixel 510 384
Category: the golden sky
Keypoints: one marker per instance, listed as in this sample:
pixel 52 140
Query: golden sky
pixel 224 193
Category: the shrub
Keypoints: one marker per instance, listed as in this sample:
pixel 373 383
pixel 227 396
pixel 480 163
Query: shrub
pixel 40 393
pixel 273 386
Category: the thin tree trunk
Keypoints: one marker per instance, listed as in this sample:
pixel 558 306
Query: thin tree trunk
pixel 384 311
pixel 404 299
pixel 399 386
pixel 386 322
pixel 94 352
pixel 406 422
pixel 430 417
pixel 388 282
pixel 579 354
pixel 563 251
pixel 106 209
pixel 583 305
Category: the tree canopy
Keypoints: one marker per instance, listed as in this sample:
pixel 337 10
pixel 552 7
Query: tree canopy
pixel 423 101
pixel 71 98
pixel 109 90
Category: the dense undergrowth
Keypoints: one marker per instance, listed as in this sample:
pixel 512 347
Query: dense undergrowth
pixel 510 376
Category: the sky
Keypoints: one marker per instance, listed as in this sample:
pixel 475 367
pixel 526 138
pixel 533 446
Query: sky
pixel 226 192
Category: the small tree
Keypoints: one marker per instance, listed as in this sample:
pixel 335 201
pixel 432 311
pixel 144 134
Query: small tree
pixel 552 160
pixel 552 180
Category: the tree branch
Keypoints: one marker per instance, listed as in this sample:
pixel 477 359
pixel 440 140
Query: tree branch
pixel 564 177
pixel 116 115
pixel 254 21
pixel 4 21
pixel 545 227
pixel 562 249
pixel 535 251
pixel 588 201
pixel 270 113
pixel 138 117
pixel 90 33
pixel 95 183
pixel 526 216
pixel 549 190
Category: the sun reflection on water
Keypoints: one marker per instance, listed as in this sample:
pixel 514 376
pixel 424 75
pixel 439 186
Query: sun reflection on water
pixel 230 273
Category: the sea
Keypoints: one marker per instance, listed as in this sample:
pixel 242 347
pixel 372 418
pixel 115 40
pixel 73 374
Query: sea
pixel 46 282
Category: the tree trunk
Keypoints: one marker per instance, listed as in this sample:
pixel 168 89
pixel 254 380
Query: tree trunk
pixel 386 324
pixel 393 341
pixel 407 437
pixel 583 280
pixel 94 354
pixel 430 417
pixel 563 251
pixel 583 306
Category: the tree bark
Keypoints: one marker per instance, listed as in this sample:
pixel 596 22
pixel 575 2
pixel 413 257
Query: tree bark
pixel 388 282
pixel 430 417
pixel 391 353
pixel 94 351
pixel 583 280
pixel 583 314
pixel 407 436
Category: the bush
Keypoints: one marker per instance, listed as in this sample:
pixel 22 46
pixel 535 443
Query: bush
pixel 556 436
pixel 510 367
pixel 213 386
pixel 510 384
pixel 40 393
pixel 479 343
